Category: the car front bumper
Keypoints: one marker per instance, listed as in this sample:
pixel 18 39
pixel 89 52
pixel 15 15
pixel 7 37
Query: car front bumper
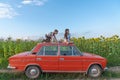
pixel 106 68
pixel 11 67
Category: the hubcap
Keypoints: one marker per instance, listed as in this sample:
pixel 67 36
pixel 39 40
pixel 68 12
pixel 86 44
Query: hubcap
pixel 33 72
pixel 94 71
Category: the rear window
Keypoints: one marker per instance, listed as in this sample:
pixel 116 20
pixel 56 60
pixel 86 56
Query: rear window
pixel 69 51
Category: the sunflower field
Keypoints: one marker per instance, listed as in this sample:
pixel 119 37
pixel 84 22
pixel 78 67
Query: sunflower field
pixel 108 47
pixel 11 47
pixel 103 46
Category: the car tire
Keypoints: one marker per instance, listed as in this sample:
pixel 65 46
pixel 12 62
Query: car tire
pixel 32 72
pixel 94 71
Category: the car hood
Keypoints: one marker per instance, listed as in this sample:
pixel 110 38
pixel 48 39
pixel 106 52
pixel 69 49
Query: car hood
pixel 21 54
pixel 92 55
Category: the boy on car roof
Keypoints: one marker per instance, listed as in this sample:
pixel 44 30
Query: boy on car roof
pixel 51 37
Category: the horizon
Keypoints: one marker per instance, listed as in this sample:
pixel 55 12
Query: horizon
pixel 59 37
pixel 89 18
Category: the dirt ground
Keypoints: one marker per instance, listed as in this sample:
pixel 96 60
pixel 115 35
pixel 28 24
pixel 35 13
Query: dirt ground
pixel 115 69
pixel 8 71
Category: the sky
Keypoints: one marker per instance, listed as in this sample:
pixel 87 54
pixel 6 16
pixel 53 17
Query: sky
pixel 89 18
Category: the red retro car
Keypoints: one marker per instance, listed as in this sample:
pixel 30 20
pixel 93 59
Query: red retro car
pixel 57 57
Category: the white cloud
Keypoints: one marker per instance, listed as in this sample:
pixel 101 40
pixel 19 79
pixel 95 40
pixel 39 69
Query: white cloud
pixel 27 1
pixel 34 2
pixel 6 11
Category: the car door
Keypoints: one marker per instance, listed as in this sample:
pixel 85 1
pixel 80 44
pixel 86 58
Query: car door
pixel 70 59
pixel 47 58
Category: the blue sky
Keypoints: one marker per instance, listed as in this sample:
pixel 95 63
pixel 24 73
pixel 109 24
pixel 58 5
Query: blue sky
pixel 90 18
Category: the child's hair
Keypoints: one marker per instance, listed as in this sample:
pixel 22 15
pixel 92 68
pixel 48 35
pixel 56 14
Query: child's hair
pixel 56 30
pixel 66 30
pixel 65 35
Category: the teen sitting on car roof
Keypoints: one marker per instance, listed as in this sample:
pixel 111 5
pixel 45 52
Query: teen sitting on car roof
pixel 51 37
pixel 67 36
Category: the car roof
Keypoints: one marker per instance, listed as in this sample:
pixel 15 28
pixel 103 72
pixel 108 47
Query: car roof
pixel 65 44
pixel 39 45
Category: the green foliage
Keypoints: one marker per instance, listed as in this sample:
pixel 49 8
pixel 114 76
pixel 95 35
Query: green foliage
pixel 11 47
pixel 106 47
pixel 59 76
pixel 3 63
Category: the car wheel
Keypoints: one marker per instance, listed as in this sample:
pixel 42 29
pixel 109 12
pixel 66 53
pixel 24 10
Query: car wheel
pixel 95 71
pixel 32 72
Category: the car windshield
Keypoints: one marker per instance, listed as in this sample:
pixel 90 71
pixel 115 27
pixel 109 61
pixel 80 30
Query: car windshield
pixel 31 52
pixel 78 50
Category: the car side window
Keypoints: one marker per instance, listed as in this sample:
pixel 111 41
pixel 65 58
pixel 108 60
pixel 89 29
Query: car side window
pixel 66 50
pixel 51 50
pixel 69 51
pixel 41 52
pixel 48 50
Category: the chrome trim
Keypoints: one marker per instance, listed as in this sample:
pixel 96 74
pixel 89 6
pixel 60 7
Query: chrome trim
pixel 106 68
pixel 61 59
pixel 11 67
pixel 33 72
pixel 38 59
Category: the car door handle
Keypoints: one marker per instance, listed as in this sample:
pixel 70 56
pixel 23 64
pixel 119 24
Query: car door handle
pixel 61 59
pixel 38 59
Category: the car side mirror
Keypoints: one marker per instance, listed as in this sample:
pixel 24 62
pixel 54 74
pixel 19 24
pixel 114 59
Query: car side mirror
pixel 33 53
